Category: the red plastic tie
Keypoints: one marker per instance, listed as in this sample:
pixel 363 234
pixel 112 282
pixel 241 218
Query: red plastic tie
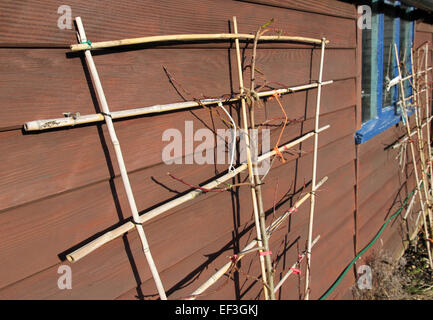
pixel 265 253
pixel 234 257
pixel 293 209
pixel 296 271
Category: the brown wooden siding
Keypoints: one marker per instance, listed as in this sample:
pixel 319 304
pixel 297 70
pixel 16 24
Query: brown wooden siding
pixel 61 188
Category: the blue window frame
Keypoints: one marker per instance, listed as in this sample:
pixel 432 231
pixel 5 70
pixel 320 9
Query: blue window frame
pixel 389 24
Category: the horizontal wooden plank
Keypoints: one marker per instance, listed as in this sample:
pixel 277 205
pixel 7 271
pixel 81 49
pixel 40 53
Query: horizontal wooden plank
pixel 134 79
pixel 113 20
pixel 327 7
pixel 212 224
pixel 422 37
pixel 394 190
pixel 378 160
pixel 373 183
pixel 424 27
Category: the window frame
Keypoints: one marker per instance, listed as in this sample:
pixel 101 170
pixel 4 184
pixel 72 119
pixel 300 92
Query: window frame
pixel 384 117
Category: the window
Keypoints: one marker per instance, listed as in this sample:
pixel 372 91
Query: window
pixel 389 24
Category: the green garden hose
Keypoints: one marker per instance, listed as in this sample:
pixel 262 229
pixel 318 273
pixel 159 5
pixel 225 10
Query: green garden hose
pixel 337 282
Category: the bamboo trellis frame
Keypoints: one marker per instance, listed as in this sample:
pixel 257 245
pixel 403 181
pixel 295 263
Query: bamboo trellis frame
pixel 425 211
pixel 426 107
pixel 421 149
pixel 268 284
pixel 138 220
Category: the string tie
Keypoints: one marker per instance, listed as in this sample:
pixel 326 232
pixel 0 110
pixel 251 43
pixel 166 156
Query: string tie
pixel 88 43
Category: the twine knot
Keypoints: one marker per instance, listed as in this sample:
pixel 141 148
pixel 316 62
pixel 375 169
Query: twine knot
pixel 279 154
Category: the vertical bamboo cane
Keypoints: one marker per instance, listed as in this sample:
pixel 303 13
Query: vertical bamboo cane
pixel 120 161
pixel 421 150
pixel 313 180
pixel 427 111
pixel 257 181
pixel 250 166
pixel 412 149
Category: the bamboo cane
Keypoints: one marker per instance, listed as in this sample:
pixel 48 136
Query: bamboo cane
pixel 412 149
pixel 111 235
pixel 187 37
pixel 250 165
pixel 121 163
pixel 274 225
pixel 412 201
pixel 287 275
pixel 39 125
pixel 257 183
pixel 313 183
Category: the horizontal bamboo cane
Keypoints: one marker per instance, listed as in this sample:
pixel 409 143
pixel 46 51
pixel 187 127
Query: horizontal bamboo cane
pixel 405 138
pixel 111 235
pixel 189 37
pixel 39 125
pixel 417 74
pixel 287 275
pixel 408 98
pixel 412 201
pixel 214 278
